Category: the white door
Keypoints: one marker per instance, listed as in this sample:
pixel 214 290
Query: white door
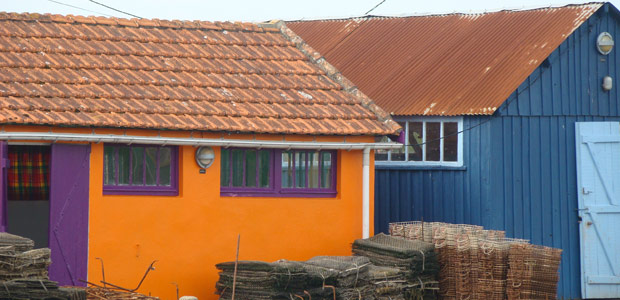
pixel 598 183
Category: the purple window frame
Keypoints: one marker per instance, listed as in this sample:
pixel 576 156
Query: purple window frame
pixel 275 179
pixel 152 190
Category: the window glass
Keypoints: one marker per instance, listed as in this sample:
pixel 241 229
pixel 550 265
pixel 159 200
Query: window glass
pixel 123 165
pixel 137 166
pixel 326 170
pixel 303 170
pixel 237 167
pixel 264 159
pixel 287 169
pixel 165 155
pixel 225 167
pixel 300 169
pixel 382 154
pixel 433 142
pixel 399 154
pixel 250 168
pixel 313 170
pixel 109 171
pixel 139 169
pixel 450 141
pixel 415 140
pixel 150 166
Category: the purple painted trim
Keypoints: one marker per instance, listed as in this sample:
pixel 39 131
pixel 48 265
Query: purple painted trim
pixel 4 165
pixel 401 137
pixel 275 181
pixel 69 200
pixel 147 190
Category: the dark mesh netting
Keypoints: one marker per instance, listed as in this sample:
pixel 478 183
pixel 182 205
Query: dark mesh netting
pixel 413 258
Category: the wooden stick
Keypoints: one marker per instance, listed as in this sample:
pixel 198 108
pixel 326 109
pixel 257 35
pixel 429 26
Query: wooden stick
pixel 236 263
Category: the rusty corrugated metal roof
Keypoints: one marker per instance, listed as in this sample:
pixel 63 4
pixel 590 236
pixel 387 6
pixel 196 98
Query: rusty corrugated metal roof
pixel 179 75
pixel 456 64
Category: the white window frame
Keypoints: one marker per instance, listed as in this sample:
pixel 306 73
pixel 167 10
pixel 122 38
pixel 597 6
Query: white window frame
pixel 424 120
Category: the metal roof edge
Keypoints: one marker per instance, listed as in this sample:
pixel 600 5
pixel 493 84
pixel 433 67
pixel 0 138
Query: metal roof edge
pixel 334 74
pixel 434 14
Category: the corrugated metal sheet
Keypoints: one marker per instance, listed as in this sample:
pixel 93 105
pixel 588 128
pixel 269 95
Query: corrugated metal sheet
pixel 519 171
pixel 457 64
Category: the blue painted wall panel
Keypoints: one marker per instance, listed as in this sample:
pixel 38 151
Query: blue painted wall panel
pixel 519 170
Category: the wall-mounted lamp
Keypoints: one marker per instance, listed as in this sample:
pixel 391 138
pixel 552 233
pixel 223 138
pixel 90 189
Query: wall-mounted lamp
pixel 604 43
pixel 205 156
pixel 608 83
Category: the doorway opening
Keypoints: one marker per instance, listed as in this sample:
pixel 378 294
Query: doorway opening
pixel 28 192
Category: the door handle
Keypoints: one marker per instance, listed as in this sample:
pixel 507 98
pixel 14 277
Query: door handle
pixel 583 191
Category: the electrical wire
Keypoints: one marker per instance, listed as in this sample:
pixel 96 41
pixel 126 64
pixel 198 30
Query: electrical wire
pixel 114 9
pixel 77 7
pixel 383 1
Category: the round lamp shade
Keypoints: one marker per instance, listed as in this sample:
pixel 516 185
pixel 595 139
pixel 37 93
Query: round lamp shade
pixel 204 156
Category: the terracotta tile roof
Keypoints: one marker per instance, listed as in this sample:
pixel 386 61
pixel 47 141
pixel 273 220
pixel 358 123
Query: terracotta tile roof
pixel 456 64
pixel 178 75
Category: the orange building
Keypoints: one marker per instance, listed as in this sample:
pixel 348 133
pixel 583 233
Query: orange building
pixel 130 141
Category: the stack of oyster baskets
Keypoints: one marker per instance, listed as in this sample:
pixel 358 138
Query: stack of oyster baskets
pixel 483 264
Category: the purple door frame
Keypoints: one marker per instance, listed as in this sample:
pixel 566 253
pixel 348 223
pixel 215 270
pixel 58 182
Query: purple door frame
pixel 4 164
pixel 69 197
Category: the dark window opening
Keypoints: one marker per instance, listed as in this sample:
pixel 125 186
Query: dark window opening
pixel 28 192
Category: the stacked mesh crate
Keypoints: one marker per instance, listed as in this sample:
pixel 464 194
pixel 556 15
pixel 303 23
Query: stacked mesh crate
pixel 23 272
pixel 414 264
pixel 533 271
pixel 483 264
pixel 317 278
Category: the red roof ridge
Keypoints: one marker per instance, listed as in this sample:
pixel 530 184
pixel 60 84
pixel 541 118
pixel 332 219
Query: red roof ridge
pixel 333 73
pixel 134 22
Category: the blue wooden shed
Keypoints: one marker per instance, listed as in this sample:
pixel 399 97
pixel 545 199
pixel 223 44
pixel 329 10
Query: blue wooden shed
pixel 490 103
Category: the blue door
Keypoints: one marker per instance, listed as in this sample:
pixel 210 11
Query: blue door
pixel 598 183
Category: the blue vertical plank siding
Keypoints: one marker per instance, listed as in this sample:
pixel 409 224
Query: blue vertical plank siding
pixel 519 172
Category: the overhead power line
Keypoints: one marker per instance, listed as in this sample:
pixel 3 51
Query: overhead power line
pixel 114 9
pixel 382 1
pixel 77 7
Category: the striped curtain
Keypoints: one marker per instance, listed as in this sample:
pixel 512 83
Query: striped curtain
pixel 28 174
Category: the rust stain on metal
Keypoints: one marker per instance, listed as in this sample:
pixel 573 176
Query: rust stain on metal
pixel 455 64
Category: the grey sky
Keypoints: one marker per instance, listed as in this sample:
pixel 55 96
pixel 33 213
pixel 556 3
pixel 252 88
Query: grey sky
pixel 262 10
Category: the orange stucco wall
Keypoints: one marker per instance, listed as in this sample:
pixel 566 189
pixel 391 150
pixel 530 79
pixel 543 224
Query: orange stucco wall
pixel 190 233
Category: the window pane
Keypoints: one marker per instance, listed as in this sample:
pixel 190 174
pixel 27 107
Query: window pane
pixel 432 141
pixel 237 167
pixel 151 165
pixel 164 166
pixel 250 168
pixel 414 140
pixel 326 170
pixel 313 171
pixel 109 172
pixel 287 169
pixel 450 141
pixel 225 167
pixel 137 166
pixel 381 154
pixel 264 159
pixel 123 165
pixel 300 169
pixel 399 154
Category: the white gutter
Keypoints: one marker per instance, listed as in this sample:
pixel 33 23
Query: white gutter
pixel 158 140
pixel 366 193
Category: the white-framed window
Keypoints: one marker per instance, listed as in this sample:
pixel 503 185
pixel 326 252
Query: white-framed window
pixel 429 141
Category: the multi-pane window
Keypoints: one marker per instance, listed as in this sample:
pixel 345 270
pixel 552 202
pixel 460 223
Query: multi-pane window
pixel 428 141
pixel 140 169
pixel 253 172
